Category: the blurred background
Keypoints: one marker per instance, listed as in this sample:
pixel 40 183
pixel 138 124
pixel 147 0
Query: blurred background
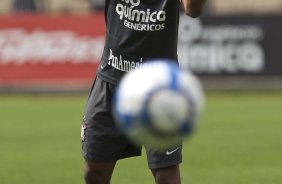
pixel 49 52
pixel 56 45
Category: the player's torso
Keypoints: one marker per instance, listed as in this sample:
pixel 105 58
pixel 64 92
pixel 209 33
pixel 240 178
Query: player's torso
pixel 138 30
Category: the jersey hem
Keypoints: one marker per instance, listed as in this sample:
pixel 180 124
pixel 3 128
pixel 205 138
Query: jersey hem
pixel 107 78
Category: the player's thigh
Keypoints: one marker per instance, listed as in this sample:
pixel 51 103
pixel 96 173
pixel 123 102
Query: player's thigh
pixel 101 139
pixel 98 172
pixel 165 164
pixel 163 159
pixel 167 175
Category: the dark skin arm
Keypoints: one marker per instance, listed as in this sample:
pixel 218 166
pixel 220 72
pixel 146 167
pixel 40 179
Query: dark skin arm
pixel 193 8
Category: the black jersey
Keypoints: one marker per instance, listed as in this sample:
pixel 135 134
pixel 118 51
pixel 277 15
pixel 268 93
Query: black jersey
pixel 137 31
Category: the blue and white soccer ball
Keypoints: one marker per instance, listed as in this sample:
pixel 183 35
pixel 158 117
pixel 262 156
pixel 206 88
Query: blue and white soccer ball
pixel 158 104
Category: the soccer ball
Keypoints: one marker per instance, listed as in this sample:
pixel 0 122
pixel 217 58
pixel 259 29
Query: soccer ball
pixel 158 104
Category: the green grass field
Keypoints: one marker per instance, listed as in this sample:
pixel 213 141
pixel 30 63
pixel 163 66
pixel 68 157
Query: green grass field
pixel 239 141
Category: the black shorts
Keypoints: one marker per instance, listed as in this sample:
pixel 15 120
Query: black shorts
pixel 103 142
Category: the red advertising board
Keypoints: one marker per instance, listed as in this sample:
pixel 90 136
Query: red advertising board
pixel 63 51
pixel 48 50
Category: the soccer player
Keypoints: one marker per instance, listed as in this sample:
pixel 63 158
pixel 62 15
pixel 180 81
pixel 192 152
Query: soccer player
pixel 136 30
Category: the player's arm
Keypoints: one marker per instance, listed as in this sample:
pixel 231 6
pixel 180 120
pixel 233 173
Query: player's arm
pixel 193 8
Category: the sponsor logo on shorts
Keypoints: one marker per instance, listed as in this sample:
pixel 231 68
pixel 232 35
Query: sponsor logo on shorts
pixel 83 128
pixel 171 152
